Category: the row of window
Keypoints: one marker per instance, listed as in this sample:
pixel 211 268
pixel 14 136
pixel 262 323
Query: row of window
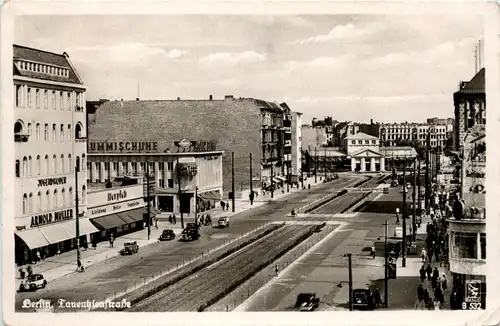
pixel 56 165
pixel 27 97
pixel 134 165
pixel 44 68
pixel 58 133
pixel 360 142
pixel 50 200
pixel 468 245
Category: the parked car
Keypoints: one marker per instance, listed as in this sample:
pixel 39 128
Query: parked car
pixel 223 222
pixel 189 234
pixel 192 226
pixel 167 235
pixel 386 190
pixel 363 299
pixel 307 302
pixel 33 283
pixel 129 248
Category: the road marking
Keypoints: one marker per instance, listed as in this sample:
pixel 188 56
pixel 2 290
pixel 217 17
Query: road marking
pixel 243 306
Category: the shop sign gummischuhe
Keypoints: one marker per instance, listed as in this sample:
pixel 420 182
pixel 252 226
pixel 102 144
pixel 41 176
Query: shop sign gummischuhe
pixel 122 147
pixel 48 218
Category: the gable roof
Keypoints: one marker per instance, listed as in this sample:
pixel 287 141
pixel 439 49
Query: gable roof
pixel 45 57
pixel 476 84
pixel 360 136
pixel 361 151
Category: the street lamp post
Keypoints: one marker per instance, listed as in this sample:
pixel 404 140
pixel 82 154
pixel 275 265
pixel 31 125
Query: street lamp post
pixel 386 276
pixel 349 257
pixel 413 224
pixel 404 215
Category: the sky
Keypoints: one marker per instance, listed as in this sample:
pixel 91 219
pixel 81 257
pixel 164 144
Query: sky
pixel 350 67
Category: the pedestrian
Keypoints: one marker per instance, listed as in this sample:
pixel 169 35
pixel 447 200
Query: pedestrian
pixel 227 206
pixel 420 297
pixel 111 241
pixel 38 257
pixel 397 218
pixel 222 205
pixel 444 282
pixel 170 220
pixel 29 269
pixel 427 298
pixel 372 249
pixel 423 254
pixel 422 273
pixel 435 276
pixel 156 223
pixel 202 219
pixel 377 297
pixel 174 219
pixel 437 304
pixel 428 270
pixel 276 269
pixel 430 254
pixel 22 273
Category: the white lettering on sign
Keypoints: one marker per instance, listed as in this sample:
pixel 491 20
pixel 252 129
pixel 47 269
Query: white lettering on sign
pixel 116 208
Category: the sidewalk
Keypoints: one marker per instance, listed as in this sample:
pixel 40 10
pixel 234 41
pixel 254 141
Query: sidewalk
pixel 64 264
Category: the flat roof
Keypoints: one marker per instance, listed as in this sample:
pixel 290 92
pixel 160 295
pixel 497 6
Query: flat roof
pixel 158 154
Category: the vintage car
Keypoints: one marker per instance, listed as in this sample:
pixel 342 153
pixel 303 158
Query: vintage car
pixel 129 248
pixel 33 283
pixel 189 234
pixel 192 226
pixel 167 235
pixel 223 222
pixel 386 190
pixel 363 299
pixel 307 302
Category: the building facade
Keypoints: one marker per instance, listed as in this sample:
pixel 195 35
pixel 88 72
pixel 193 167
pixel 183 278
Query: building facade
pixel 394 134
pixel 296 132
pixel 470 107
pixel 242 126
pixel 364 153
pixel 50 140
pixel 467 230
pixel 175 178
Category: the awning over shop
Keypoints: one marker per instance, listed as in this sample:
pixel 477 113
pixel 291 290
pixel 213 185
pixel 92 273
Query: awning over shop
pixel 57 232
pixel 108 221
pixel 33 238
pixel 83 224
pixel 133 215
pixel 280 178
pixel 210 195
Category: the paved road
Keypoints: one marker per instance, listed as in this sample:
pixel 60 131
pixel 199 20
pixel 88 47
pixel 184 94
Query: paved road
pixel 119 273
pixel 322 269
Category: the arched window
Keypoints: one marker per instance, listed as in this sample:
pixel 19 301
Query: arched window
pixel 25 166
pixel 63 198
pixel 62 163
pixel 39 202
pixel 84 195
pixel 38 165
pixel 70 196
pixel 30 166
pixel 30 203
pixel 78 162
pixel 70 163
pixel 83 162
pixel 18 127
pixel 18 168
pixel 47 200
pixel 25 204
pixel 46 167
pixel 56 199
pixel 78 131
pixel 54 164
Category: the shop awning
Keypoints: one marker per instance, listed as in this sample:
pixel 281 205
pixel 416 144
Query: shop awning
pixel 84 225
pixel 57 232
pixel 280 178
pixel 33 238
pixel 133 215
pixel 210 195
pixel 108 221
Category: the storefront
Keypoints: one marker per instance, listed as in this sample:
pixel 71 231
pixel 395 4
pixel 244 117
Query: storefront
pixel 208 200
pixel 118 211
pixel 50 233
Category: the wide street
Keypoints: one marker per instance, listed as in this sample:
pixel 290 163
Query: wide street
pixel 119 273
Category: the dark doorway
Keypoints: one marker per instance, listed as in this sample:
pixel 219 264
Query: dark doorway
pixel 185 200
pixel 367 166
pixel 166 203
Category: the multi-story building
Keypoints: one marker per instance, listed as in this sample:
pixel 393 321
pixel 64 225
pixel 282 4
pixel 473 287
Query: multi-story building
pixel 470 107
pixel 293 141
pixel 242 126
pixel 191 170
pixel 50 141
pixel 467 229
pixel 394 134
pixel 296 142
pixel 364 152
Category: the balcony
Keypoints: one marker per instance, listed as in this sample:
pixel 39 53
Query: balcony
pixel 81 140
pixel 21 137
pixel 288 143
pixel 287 129
pixel 79 109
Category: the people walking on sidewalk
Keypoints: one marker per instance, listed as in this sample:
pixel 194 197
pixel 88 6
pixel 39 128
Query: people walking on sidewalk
pixel 420 297
pixel 423 254
pixel 428 270
pixel 435 276
pixel 422 274
pixel 174 219
pixel 378 298
pixel 111 241
pixel 38 257
pixel 444 282
pixel 222 205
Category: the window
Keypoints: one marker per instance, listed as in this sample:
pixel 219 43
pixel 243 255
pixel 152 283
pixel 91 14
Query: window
pixel 38 165
pixel 70 164
pixel 29 97
pixel 46 99
pixel 83 162
pixel 56 199
pixel 353 142
pixel 68 101
pixel 18 169
pixel 161 166
pixel 46 133
pixel 30 203
pixel 19 95
pixel 25 166
pixel 39 202
pixel 54 132
pixel 170 183
pixel 374 142
pixel 360 142
pixel 62 163
pixel 46 168
pixel 54 164
pixel 61 100
pixel 78 95
pixel 25 204
pixel 134 167
pixel 161 183
pixel 84 195
pixel 37 98
pixel 30 166
pixel 47 200
pixel 69 132
pixel 465 245
pixel 37 131
pixel 63 198
pixel 170 166
pixel 115 167
pixel 367 142
pixel 70 196
pixel 78 162
pixel 483 245
pixel 78 131
pixel 54 100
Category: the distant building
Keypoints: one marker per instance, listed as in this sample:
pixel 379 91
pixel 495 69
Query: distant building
pixel 470 107
pixel 364 152
pixel 394 134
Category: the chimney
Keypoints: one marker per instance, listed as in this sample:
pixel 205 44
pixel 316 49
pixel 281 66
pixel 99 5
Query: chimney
pixel 210 97
pixel 178 98
pixel 137 99
pixel 228 97
pixel 371 121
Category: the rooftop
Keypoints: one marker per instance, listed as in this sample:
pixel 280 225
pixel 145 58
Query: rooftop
pixel 475 85
pixel 360 136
